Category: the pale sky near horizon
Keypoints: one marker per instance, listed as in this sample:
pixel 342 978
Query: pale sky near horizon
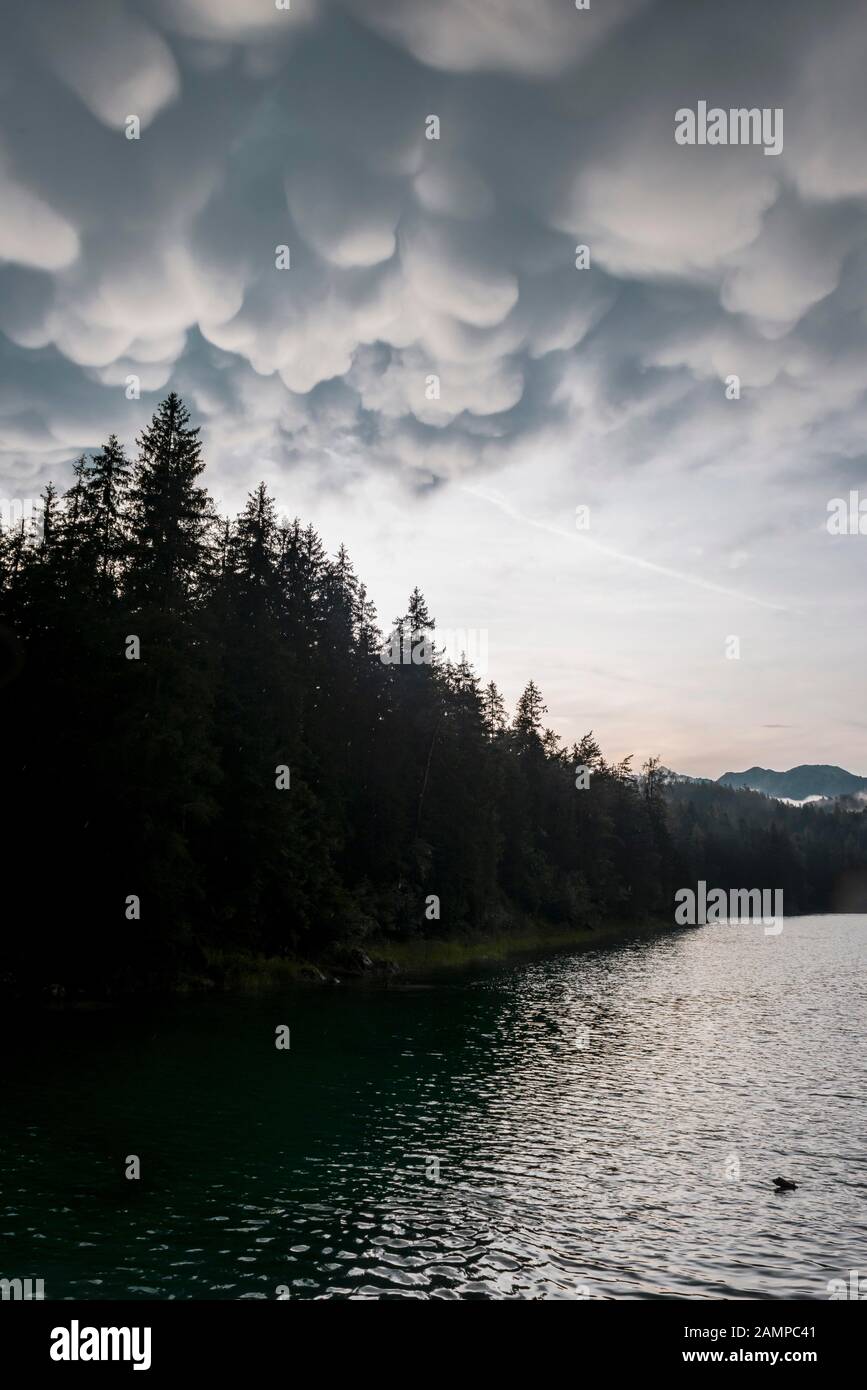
pixel 559 388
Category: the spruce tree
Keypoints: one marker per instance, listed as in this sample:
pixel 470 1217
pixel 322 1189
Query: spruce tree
pixel 106 485
pixel 171 515
pixel 50 521
pixel 76 534
pixel 493 710
pixel 528 714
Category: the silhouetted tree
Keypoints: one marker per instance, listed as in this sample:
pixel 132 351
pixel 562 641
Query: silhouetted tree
pixel 237 761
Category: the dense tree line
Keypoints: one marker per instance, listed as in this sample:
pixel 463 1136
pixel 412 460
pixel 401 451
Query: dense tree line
pixel 204 747
pixel 743 839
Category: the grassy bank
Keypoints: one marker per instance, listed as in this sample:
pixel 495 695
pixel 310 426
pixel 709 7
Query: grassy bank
pixel 420 955
pixel 239 970
pixel 242 970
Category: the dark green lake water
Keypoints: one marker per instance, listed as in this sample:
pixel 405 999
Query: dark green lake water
pixel 636 1166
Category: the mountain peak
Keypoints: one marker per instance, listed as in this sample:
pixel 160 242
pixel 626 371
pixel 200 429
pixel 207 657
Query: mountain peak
pixel 798 783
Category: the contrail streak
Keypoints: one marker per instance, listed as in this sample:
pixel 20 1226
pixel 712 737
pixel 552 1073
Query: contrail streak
pixel 635 560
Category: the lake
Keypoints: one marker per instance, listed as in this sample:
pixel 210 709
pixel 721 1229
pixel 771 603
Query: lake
pixel 599 1124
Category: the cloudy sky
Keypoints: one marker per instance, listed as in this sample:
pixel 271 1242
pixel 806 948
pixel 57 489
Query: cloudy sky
pixel 559 388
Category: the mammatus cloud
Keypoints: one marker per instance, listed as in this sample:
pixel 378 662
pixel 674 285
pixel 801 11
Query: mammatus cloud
pixel 31 232
pixel 445 267
pixel 128 68
pixel 502 36
pixel 433 281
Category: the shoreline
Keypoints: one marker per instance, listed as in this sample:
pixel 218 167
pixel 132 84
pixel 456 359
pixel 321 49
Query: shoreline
pixel 445 954
pixel 374 962
pixel 392 961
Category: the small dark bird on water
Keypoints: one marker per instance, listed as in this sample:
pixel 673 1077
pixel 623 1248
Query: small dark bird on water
pixel 784 1184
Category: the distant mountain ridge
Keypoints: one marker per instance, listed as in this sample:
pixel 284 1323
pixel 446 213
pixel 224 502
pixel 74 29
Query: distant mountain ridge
pixel 809 779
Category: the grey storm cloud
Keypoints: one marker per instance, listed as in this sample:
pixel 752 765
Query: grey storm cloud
pixel 411 257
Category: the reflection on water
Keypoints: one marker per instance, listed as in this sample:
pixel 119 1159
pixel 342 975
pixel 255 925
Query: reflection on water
pixel 587 1115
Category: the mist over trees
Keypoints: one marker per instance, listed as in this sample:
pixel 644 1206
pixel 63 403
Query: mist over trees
pixel 205 748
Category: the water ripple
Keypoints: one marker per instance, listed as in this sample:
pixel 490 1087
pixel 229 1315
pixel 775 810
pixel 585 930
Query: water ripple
pixel 459 1142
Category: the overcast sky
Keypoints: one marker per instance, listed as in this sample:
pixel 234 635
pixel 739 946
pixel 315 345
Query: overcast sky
pixel 560 388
